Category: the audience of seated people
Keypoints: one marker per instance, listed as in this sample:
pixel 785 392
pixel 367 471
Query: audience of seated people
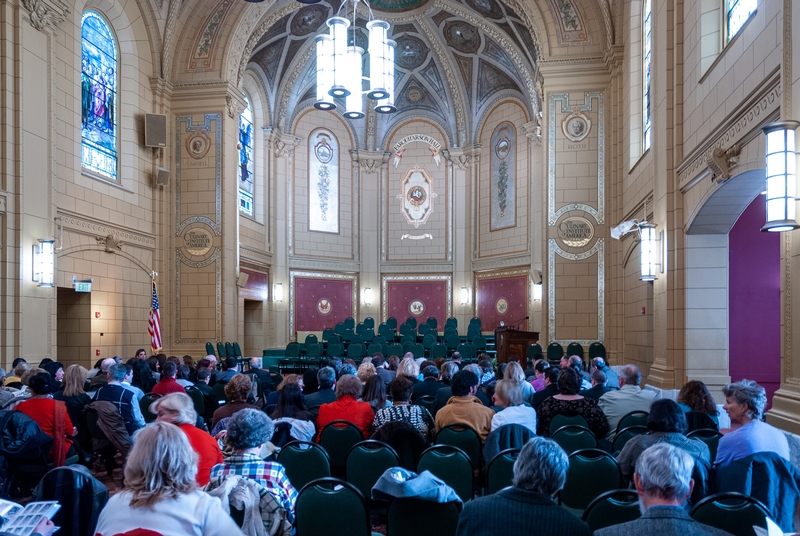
pixel 661 481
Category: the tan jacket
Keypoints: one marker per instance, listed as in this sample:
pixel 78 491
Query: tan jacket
pixel 466 410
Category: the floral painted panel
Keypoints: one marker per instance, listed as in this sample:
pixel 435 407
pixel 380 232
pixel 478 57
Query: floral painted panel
pixel 323 182
pixel 98 96
pixel 504 167
pixel 246 167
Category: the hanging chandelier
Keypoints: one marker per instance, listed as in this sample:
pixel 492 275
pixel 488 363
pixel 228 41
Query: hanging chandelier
pixel 339 66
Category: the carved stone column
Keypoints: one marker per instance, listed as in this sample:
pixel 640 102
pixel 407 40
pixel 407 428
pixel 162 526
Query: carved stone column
pixel 533 132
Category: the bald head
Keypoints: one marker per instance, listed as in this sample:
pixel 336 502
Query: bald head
pixel 107 364
pixel 630 375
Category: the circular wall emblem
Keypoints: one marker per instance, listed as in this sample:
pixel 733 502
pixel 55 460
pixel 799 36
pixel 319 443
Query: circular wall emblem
pixel 198 144
pixel 575 232
pixel 501 306
pixel 324 306
pixel 197 241
pixel 416 307
pixel 416 196
pixel 576 126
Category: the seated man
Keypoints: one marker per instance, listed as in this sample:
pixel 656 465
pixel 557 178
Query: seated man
pixel 464 408
pixel 124 399
pixel 630 397
pixel 663 481
pixel 168 383
pixel 527 507
pixel 248 431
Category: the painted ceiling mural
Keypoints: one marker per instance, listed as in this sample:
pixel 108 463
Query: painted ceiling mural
pixel 453 61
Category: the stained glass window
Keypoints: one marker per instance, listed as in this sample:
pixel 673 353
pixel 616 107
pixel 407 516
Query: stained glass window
pixel 246 159
pixel 98 96
pixel 647 53
pixel 736 14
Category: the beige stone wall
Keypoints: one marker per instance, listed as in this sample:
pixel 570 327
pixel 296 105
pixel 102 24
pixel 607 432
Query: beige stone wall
pixel 513 239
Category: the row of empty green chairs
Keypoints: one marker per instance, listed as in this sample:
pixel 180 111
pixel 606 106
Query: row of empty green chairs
pixel 224 350
pixel 555 351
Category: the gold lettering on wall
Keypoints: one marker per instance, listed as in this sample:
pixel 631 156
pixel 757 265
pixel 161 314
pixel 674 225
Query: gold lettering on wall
pixel 575 232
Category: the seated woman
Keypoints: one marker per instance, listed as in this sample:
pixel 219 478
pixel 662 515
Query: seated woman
pixel 694 396
pixel 161 495
pixel 508 397
pixel 292 409
pixel 236 393
pixel 347 407
pixel 56 370
pixel 248 431
pixel 514 372
pixel 73 395
pixel 665 424
pixel 178 409
pixel 272 398
pixel 400 410
pixel 409 369
pixel 375 393
pixel 365 372
pixel 569 401
pixel 143 376
pixel 51 416
pixel 745 402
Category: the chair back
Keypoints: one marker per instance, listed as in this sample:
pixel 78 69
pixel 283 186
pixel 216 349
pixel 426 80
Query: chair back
pixel 625 435
pixel 428 402
pixel 452 321
pixel 463 437
pixel 449 331
pixel 710 437
pixel 508 436
pixel 597 349
pixel 452 342
pixel 575 348
pixel 369 323
pixel 554 352
pixel 392 323
pixel 293 349
pixel 374 348
pixel 331 507
pixel 350 322
pixel 221 353
pixel 197 399
pixel 438 349
pixel 209 349
pixel 237 350
pixel 327 333
pixel 418 350
pixel 366 462
pixel 500 471
pixel 355 351
pixel 80 495
pixel 229 350
pixel 386 332
pixel 432 322
pixel 368 334
pixel 466 349
pixel 476 321
pixel 611 508
pixel 144 406
pixel 452 465
pixel 423 329
pixel 337 438
pixel 474 330
pixel 634 418
pixel 395 349
pixel 417 517
pixel 428 340
pixel 479 344
pixel 411 322
pixel 335 349
pixel 572 438
pixel 304 461
pixel 310 339
pixel 566 419
pixel 591 472
pixel 533 350
pixel 733 512
pixel 314 350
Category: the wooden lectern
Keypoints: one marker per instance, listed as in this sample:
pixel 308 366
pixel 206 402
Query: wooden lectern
pixel 510 341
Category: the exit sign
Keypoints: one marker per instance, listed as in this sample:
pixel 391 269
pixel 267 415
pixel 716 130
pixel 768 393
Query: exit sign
pixel 83 287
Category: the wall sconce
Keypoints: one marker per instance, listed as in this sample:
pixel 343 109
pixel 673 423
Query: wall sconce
pixel 277 292
pixel 649 244
pixel 781 178
pixel 465 296
pixel 537 292
pixel 368 296
pixel 44 263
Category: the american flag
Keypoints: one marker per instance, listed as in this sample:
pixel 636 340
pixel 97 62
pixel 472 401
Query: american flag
pixel 154 326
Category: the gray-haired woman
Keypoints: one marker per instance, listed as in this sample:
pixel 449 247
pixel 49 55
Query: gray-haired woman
pixel 745 402
pixel 160 491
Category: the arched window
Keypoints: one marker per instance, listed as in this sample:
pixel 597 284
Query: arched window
pixel 98 97
pixel 246 167
pixel 737 12
pixel 647 53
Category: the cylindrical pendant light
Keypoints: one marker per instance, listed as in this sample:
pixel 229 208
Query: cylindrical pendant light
pixel 354 103
pixel 324 73
pixel 781 176
pixel 377 59
pixel 338 26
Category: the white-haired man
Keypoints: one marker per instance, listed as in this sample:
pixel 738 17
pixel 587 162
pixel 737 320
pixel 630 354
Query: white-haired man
pixel 663 480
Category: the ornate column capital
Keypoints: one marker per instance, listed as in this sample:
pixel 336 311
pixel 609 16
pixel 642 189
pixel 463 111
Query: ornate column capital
pixel 45 13
pixel 533 131
pixel 462 157
pixel 370 161
pixel 235 103
pixel 282 144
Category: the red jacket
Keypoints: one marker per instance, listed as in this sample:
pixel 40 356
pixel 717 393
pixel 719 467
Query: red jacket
pixel 168 385
pixel 346 408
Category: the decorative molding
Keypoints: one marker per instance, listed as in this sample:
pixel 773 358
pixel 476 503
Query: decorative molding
pixel 190 127
pixel 786 295
pixel 577 206
pixel 89 227
pixel 110 243
pixel 332 266
pixel 506 262
pixel 288 81
pixel 559 62
pixel 319 275
pixel 254 255
pixel 501 273
pixel 738 128
pixel 235 104
pixel 410 278
pixel 462 159
pixel 721 162
pixel 553 250
pixel 533 131
pixel 215 259
pixel 565 107
pixel 570 25
pixel 415 268
pixel 283 144
pixel 370 161
pixel 66 252
pixel 46 13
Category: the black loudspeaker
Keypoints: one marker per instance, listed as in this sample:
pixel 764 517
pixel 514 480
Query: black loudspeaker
pixel 162 177
pixel 155 130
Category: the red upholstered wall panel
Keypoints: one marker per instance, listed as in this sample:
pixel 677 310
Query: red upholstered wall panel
pixel 503 299
pixel 321 303
pixel 419 299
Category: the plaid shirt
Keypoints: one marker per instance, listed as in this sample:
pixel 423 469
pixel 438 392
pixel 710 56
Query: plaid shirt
pixel 270 475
